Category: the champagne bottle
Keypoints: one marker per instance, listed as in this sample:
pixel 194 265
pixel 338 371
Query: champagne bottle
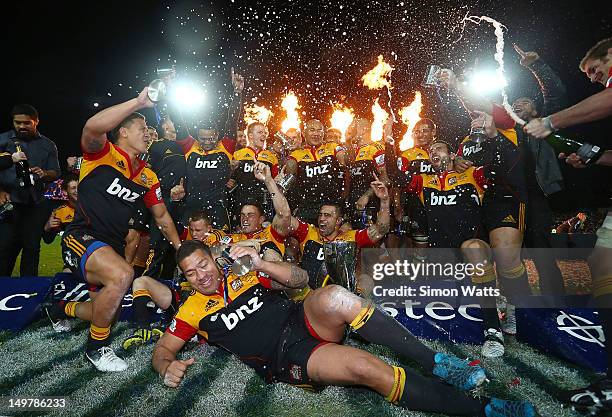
pixel 589 153
pixel 22 170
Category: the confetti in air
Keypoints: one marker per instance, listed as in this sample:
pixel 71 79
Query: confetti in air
pixel 380 117
pixel 290 105
pixel 341 119
pixel 410 116
pixel 499 57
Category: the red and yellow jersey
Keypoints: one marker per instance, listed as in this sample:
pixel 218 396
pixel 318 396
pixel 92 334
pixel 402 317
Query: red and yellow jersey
pixel 249 325
pixel 453 204
pixel 269 240
pixel 312 246
pixel 65 214
pixel 207 171
pixel 320 175
pixel 250 188
pixel 414 160
pixel 368 159
pixel 213 237
pixel 109 191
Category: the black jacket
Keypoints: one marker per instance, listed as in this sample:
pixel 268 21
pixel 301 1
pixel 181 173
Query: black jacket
pixel 542 157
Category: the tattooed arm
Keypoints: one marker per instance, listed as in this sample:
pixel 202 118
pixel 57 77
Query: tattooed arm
pixel 383 222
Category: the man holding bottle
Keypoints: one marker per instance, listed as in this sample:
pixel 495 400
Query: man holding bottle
pixel 597 65
pixel 35 164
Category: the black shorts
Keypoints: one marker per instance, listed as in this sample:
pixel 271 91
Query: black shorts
pixel 77 246
pixel 298 341
pixel 503 211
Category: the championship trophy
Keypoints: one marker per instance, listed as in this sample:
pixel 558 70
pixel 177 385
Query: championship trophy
pixel 340 259
pixel 158 88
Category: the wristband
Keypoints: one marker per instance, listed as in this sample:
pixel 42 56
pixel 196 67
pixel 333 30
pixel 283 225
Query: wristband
pixel 548 124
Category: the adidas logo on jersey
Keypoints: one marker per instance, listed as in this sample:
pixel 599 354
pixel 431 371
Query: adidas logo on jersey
pixel 443 200
pixel 509 219
pixel 312 171
pixel 206 164
pixel 120 164
pixel 231 320
pixel 122 192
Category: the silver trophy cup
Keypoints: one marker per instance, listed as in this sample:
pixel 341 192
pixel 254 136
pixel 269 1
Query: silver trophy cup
pixel 340 260
pixel 157 90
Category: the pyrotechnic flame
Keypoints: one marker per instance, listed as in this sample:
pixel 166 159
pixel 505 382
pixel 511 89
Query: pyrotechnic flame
pixel 290 105
pixel 342 118
pixel 380 117
pixel 256 113
pixel 377 77
pixel 499 57
pixel 410 116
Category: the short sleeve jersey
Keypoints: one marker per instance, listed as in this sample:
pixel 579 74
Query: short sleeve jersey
pixel 109 190
pixel 320 175
pixel 368 159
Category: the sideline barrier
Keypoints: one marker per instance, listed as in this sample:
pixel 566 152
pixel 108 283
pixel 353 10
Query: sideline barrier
pixel 572 333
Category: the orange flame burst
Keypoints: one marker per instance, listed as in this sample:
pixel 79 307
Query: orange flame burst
pixel 256 113
pixel 410 116
pixel 341 119
pixel 377 77
pixel 380 117
pixel 290 105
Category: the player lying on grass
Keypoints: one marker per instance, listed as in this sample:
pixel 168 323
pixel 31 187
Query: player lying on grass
pixel 300 343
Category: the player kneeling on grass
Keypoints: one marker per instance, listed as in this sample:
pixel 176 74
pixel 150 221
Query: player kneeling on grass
pixel 299 343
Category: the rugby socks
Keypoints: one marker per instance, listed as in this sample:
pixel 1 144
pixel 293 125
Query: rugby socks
pixel 98 337
pixel 602 294
pixel 63 310
pixel 515 283
pixel 488 305
pixel 142 314
pixel 375 326
pixel 416 392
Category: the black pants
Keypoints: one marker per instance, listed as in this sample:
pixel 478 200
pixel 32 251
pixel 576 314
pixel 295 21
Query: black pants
pixel 22 230
pixel 538 226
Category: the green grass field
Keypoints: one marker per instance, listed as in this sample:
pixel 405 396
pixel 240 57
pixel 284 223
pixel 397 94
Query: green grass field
pixel 39 362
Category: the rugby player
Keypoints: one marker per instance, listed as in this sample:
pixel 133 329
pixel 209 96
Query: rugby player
pixel 452 202
pixel 416 160
pixel 112 181
pixel 369 160
pixel 166 294
pixel 299 343
pixel 248 189
pixel 208 162
pixel 312 238
pixel 319 168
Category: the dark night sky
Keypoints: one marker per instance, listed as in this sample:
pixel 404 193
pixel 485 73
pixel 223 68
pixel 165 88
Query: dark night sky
pixel 63 56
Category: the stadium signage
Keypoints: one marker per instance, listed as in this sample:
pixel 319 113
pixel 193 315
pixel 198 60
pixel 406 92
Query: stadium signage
pixel 4 302
pixel 437 310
